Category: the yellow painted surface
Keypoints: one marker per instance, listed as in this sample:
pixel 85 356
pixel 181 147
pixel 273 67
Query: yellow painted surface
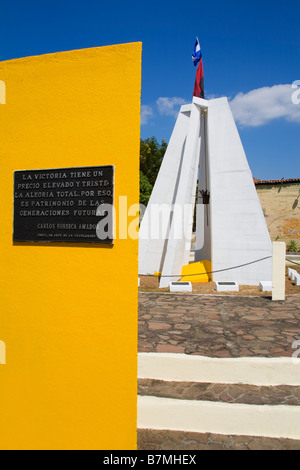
pixel 69 313
pixel 190 272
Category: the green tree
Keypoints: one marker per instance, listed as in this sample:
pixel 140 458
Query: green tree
pixel 145 189
pixel 151 156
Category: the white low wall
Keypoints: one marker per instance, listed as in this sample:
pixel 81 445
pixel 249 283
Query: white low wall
pixel 184 368
pixel 219 418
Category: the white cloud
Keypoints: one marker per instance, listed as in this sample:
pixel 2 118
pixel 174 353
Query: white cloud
pixel 170 106
pixel 146 113
pixel 260 106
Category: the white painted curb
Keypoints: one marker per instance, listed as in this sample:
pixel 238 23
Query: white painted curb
pixel 279 421
pixel 254 370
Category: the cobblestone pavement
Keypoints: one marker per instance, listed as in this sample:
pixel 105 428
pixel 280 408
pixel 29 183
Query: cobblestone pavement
pixel 218 326
pixel 226 393
pixel 177 440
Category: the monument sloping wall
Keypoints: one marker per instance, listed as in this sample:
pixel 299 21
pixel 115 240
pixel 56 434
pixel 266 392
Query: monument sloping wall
pixel 155 225
pixel 239 233
pixel 179 244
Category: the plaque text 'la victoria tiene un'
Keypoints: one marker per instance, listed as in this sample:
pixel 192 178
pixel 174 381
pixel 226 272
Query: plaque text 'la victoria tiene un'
pixel 64 205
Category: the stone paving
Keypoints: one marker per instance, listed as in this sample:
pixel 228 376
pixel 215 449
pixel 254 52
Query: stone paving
pixel 178 440
pixel 218 326
pixel 226 393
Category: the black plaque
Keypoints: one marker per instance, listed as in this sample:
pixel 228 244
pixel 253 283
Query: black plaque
pixel 180 283
pixel 64 205
pixel 226 283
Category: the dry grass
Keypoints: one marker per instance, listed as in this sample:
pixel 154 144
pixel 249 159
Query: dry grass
pixel 151 284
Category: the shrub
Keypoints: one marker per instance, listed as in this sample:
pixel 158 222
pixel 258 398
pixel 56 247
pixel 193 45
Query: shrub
pixel 292 246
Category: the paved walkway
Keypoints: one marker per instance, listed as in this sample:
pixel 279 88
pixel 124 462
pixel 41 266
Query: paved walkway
pixel 218 326
pixel 149 439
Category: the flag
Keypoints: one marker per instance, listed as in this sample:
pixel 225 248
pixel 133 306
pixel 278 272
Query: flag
pixel 199 80
pixel 197 54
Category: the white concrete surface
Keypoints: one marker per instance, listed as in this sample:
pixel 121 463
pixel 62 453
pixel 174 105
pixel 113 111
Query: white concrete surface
pixel 290 271
pixel 179 244
pixel 291 259
pixel 277 421
pixel 265 286
pixel 239 233
pixel 226 286
pixel 155 225
pixel 293 273
pixel 180 287
pixel 245 370
pixel 297 280
pixel 278 271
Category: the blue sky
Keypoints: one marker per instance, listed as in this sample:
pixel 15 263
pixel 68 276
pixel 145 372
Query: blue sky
pixel 251 54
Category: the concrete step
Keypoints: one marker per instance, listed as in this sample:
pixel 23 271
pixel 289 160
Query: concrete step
pixel 188 402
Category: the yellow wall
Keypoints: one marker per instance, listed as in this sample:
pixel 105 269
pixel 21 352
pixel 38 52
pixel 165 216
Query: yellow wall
pixel 69 313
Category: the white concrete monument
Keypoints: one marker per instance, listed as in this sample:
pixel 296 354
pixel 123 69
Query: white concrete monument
pixel 231 231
